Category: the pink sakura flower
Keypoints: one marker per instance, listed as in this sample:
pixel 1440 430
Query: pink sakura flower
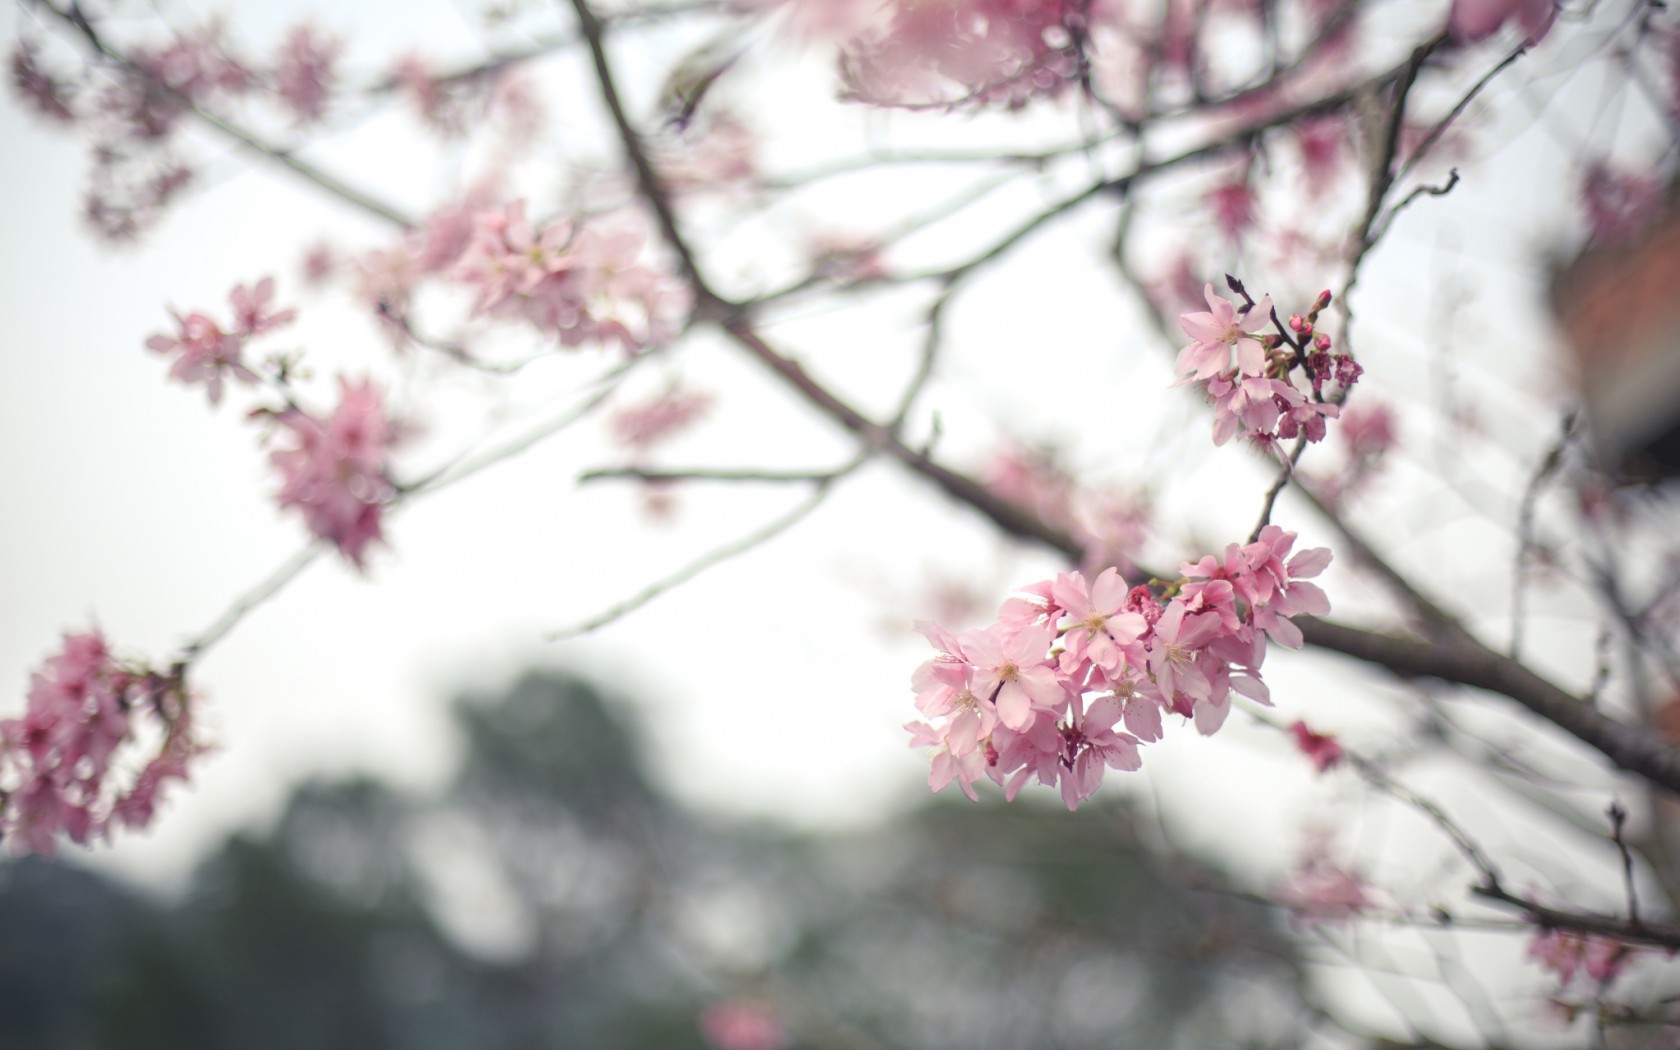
pixel 1233 208
pixel 1172 652
pixel 251 309
pixel 1140 703
pixel 1102 633
pixel 950 760
pixel 1321 748
pixel 641 427
pixel 1324 890
pixel 1014 672
pixel 1619 205
pixel 1475 20
pixel 742 1024
pixel 1090 747
pixel 334 472
pixel 1570 952
pixel 45 93
pixel 440 106
pixel 1002 702
pixel 58 762
pixel 304 75
pixel 206 353
pixel 1218 332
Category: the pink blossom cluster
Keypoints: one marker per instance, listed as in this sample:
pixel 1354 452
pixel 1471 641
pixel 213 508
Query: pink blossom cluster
pixel 135 113
pixel 1111 525
pixel 1043 693
pixel 1568 953
pixel 742 1024
pixel 1369 431
pixel 1619 205
pixel 305 73
pixel 59 762
pixel 1323 750
pixel 952 52
pixel 1323 889
pixel 334 471
pixel 1250 378
pixel 43 91
pixel 206 353
pixel 641 427
pixel 578 283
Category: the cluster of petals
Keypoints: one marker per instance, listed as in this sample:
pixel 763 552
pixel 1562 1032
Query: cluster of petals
pixel 206 353
pixel 742 1024
pixel 59 762
pixel 1074 677
pixel 1570 953
pixel 1111 525
pixel 1471 21
pixel 577 283
pixel 334 471
pixel 1251 393
pixel 305 73
pixel 641 427
pixel 950 52
pixel 1323 889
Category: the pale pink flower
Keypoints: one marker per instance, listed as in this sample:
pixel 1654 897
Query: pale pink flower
pixel 1101 631
pixel 1015 672
pixel 251 309
pixel 46 94
pixel 641 427
pixel 742 1024
pixel 1474 20
pixel 1322 748
pixel 1091 746
pixel 58 763
pixel 1568 953
pixel 1218 332
pixel 1172 652
pixel 334 471
pixel 304 75
pixel 204 352
pixel 1322 889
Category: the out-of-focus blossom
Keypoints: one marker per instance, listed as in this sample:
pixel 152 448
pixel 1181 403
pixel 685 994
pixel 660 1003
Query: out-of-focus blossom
pixel 1474 20
pixel 59 772
pixel 44 93
pixel 643 426
pixel 742 1024
pixel 305 74
pixel 334 470
pixel 1322 749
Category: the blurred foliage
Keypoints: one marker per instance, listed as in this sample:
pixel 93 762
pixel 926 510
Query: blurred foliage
pixel 552 896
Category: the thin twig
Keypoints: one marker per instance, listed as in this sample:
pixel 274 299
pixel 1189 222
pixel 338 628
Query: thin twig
pixel 716 556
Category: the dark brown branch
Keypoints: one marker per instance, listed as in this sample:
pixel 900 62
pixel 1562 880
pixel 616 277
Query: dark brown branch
pixel 1654 934
pixel 1461 660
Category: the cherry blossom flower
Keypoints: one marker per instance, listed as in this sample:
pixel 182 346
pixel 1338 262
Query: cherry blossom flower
pixel 1569 953
pixel 58 763
pixel 334 470
pixel 45 93
pixel 304 74
pixel 1474 20
pixel 742 1024
pixel 643 426
pixel 1220 331
pixel 204 352
pixel 1323 890
pixel 1321 748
